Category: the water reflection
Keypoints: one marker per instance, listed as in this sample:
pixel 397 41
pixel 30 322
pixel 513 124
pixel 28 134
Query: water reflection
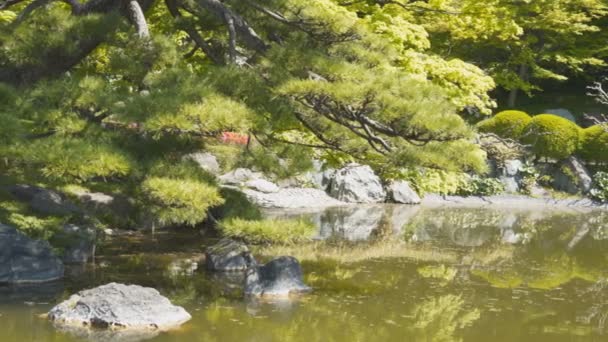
pixel 380 273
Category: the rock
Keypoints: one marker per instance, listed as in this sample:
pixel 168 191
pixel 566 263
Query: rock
pixel 573 177
pixel 292 198
pixel 279 277
pixel 510 175
pixel 206 161
pixel 357 184
pixel 238 176
pixel 23 260
pixel 43 201
pixel 401 192
pixel 119 306
pixel 229 255
pixel 78 243
pixel 262 185
pixel 561 112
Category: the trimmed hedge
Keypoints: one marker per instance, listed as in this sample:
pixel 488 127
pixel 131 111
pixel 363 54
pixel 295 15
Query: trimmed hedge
pixel 552 136
pixel 594 145
pixel 506 124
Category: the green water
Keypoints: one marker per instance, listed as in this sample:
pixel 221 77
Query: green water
pixel 466 278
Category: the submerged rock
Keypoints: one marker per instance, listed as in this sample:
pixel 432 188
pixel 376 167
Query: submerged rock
pixel 119 306
pixel 279 277
pixel 78 243
pixel 229 255
pixel 23 260
pixel 402 192
pixel 357 184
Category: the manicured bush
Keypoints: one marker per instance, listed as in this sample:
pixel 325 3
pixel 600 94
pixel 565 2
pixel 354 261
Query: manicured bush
pixel 506 124
pixel 268 231
pixel 552 136
pixel 594 145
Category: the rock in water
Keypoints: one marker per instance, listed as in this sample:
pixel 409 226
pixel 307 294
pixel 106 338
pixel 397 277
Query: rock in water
pixel 278 278
pixel 229 255
pixel 357 184
pixel 23 260
pixel 402 192
pixel 119 306
pixel 78 243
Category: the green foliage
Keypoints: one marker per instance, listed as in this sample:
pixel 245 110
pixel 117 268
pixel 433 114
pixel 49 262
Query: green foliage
pixel 236 205
pixel 269 230
pixel 552 136
pixel 480 186
pixel 179 201
pixel 594 146
pixel 507 124
pixel 599 191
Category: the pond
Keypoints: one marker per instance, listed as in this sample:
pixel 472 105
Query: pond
pixel 380 273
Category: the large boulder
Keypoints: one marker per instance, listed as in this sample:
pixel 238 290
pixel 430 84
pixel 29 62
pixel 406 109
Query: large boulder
pixel 43 201
pixel 357 184
pixel 229 255
pixel 279 277
pixel 510 175
pixel 573 177
pixel 78 243
pixel 23 260
pixel 402 192
pixel 119 306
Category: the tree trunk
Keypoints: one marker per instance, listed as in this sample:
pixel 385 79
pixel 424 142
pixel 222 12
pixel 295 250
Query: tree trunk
pixel 523 73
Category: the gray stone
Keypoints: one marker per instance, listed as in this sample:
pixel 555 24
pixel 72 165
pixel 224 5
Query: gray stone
pixel 119 307
pixel 262 185
pixel 206 161
pixel 512 167
pixel 357 184
pixel 229 255
pixel 573 177
pixel 43 201
pixel 78 243
pixel 237 177
pixel 402 192
pixel 561 112
pixel 279 277
pixel 511 184
pixel 23 260
pixel 292 198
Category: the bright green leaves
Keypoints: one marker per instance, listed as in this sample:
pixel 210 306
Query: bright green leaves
pixel 179 201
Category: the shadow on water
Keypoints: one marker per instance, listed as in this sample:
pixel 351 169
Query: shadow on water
pixel 380 273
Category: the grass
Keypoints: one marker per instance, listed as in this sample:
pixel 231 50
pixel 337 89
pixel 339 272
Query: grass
pixel 268 231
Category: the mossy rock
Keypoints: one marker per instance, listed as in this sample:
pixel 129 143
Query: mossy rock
pixel 594 146
pixel 552 136
pixel 507 124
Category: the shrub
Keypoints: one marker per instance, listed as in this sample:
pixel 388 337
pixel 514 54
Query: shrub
pixel 479 186
pixel 600 187
pixel 176 201
pixel 236 205
pixel 506 124
pixel 594 145
pixel 552 136
pixel 268 231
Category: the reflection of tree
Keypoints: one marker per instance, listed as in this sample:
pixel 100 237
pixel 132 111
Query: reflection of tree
pixel 438 319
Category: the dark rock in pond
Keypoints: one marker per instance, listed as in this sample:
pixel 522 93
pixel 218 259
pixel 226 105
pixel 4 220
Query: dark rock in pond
pixel 279 277
pixel 573 177
pixel 119 307
pixel 78 243
pixel 357 184
pixel 229 255
pixel 43 201
pixel 23 260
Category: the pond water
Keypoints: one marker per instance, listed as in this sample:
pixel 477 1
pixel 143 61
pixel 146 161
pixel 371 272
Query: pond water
pixel 380 273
